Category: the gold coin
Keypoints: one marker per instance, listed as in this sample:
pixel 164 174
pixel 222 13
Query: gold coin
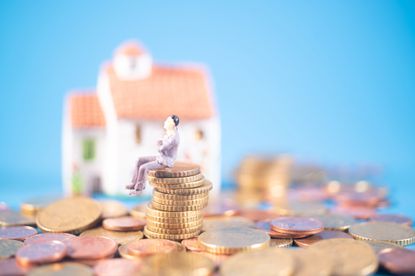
pixel 178 263
pixel 379 246
pixel 164 196
pixel 233 240
pixel 168 214
pixel 156 224
pixel 206 187
pixel 72 215
pixel 112 209
pixel 383 231
pixel 310 263
pixel 139 211
pixel 187 230
pixel 167 220
pixel 280 242
pixel 33 205
pixel 8 248
pixel 188 185
pixel 12 218
pixel 118 237
pixel 174 208
pixel 348 256
pixel 336 222
pixel 180 169
pixel 62 269
pixel 175 181
pixel 176 237
pixel 300 209
pixel 214 223
pixel 199 201
pixel 264 262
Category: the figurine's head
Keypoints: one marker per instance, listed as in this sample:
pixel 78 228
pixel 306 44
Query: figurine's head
pixel 171 122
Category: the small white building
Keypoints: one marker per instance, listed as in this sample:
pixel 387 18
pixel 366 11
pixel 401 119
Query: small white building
pixel 105 132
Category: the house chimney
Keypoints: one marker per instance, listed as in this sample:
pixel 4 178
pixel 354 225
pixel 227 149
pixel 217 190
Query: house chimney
pixel 132 61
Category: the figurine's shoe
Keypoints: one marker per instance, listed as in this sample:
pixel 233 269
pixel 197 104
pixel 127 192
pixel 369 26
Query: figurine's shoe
pixel 139 186
pixel 130 186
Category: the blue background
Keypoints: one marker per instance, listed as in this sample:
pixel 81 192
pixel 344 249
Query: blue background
pixel 331 81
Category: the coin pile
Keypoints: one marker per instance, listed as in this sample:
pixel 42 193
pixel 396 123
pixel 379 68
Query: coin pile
pixel 179 196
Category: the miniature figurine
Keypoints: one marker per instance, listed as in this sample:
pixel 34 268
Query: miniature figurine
pixel 166 157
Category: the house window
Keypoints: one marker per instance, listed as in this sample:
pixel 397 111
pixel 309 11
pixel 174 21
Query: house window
pixel 138 134
pixel 199 135
pixel 88 149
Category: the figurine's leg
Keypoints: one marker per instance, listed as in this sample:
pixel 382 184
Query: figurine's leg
pixel 140 162
pixel 142 173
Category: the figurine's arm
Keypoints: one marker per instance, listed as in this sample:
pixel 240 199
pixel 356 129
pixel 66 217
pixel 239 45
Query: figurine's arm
pixel 167 144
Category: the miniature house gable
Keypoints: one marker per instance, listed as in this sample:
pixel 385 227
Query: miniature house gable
pixel 123 120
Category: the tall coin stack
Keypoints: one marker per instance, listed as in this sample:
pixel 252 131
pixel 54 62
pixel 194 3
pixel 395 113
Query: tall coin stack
pixel 180 193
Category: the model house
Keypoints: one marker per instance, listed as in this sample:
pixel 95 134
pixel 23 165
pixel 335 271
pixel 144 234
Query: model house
pixel 105 131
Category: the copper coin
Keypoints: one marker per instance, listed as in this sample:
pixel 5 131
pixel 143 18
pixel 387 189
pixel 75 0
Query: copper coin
pixel 356 212
pixel 305 242
pixel 153 246
pixel 112 209
pixel 124 224
pixel 258 215
pixel 297 225
pixel 43 237
pixel 266 226
pixel 369 198
pixel 17 232
pixel 11 267
pixel 91 248
pixel 41 253
pixel 117 267
pixel 398 260
pixel 308 194
pixel 193 245
pixel 393 218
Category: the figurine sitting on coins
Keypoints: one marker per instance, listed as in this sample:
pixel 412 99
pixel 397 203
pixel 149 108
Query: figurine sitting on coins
pixel 166 157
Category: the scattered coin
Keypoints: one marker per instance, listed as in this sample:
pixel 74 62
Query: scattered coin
pixel 118 237
pixel 271 261
pixel 17 232
pixel 310 262
pixel 117 267
pixel 8 248
pixel 217 259
pixel 193 245
pixel 149 247
pixel 383 231
pixel 124 224
pixel 325 235
pixel 112 209
pixel 296 226
pixel 298 208
pixel 10 267
pixel 43 237
pixel 258 215
pixel 41 253
pixel 12 218
pixel 393 218
pixel 336 221
pixel 398 260
pixel 180 169
pixel 91 248
pixel 233 240
pixel 72 215
pixel 356 212
pixel 178 263
pixel 66 268
pixel 348 256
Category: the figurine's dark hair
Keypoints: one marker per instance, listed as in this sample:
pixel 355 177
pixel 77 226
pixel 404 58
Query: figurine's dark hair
pixel 175 119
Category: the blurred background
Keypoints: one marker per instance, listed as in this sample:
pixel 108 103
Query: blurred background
pixel 329 81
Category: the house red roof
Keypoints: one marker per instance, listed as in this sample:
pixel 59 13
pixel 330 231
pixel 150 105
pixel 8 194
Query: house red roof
pixel 183 91
pixel 85 110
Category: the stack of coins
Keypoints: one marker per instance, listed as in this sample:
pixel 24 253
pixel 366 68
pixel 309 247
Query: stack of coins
pixel 179 196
